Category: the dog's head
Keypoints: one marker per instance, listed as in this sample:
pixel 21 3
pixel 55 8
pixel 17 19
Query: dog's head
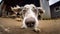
pixel 30 14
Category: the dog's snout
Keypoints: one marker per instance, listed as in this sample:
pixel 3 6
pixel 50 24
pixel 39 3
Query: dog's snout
pixel 30 22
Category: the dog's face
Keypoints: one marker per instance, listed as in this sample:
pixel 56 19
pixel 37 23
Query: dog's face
pixel 30 14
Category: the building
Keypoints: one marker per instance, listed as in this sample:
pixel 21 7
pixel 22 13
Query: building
pixel 55 10
pixel 39 3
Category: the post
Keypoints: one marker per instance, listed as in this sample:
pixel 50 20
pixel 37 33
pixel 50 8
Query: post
pixel 45 5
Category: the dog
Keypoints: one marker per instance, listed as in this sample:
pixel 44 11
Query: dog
pixel 30 16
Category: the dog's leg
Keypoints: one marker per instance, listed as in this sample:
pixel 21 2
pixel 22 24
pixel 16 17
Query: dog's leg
pixel 36 29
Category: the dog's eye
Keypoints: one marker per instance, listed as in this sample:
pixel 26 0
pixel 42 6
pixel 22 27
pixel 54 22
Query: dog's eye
pixel 24 11
pixel 35 10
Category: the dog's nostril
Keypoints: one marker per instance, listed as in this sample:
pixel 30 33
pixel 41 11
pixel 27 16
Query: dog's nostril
pixel 30 24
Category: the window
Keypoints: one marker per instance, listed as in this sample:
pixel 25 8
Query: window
pixel 57 9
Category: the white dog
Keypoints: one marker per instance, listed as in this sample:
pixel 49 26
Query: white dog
pixel 30 14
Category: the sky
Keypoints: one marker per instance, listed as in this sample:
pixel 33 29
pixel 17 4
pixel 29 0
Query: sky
pixel 0 0
pixel 50 1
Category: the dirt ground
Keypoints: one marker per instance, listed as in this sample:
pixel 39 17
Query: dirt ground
pixel 12 26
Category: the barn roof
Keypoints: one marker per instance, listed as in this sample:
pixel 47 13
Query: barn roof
pixel 55 4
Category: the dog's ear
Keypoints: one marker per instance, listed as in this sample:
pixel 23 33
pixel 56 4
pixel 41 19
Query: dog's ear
pixel 41 11
pixel 16 9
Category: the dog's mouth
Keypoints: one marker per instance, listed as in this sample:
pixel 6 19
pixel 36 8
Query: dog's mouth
pixel 30 24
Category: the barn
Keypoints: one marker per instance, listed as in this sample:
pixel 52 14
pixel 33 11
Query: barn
pixel 55 10
pixel 6 4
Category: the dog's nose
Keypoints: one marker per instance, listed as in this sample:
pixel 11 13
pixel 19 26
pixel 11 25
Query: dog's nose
pixel 30 22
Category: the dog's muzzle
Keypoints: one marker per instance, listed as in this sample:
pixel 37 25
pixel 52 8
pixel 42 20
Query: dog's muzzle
pixel 30 22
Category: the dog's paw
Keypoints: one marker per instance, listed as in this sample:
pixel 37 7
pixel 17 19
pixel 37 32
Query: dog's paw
pixel 37 30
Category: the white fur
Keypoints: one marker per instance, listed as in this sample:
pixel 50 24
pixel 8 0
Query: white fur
pixel 29 14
